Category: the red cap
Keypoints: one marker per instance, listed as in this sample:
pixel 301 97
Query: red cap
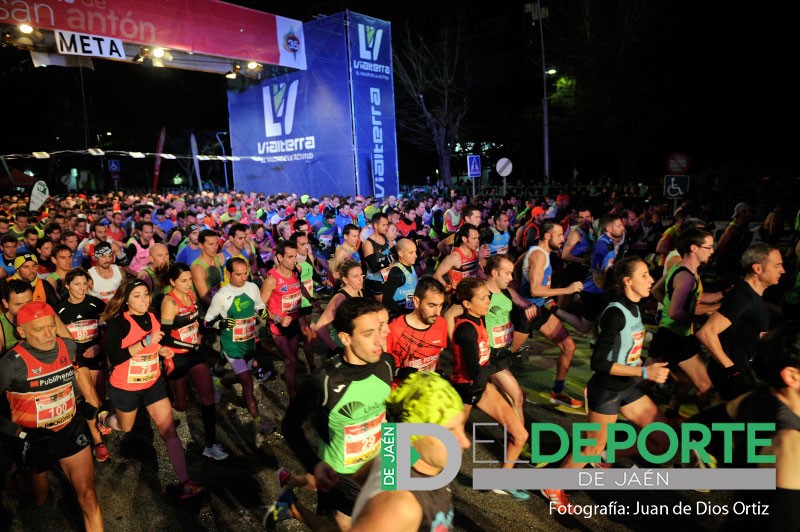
pixel 231 208
pixel 562 197
pixel 536 211
pixel 34 310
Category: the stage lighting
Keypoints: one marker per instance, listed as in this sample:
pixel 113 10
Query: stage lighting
pixel 234 72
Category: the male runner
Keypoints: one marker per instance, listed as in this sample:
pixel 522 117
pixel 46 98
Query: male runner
pixel 106 277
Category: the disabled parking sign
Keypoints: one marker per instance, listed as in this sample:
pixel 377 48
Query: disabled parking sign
pixel 474 165
pixel 676 186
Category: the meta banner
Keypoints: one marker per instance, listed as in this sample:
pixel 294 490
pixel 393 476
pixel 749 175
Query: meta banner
pixel 210 27
pixel 293 133
pixel 373 105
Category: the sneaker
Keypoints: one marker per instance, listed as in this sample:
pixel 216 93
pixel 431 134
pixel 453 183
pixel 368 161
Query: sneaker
pixel 101 453
pixel 519 495
pixel 559 499
pixel 564 399
pixel 217 382
pixel 102 428
pixel 280 510
pixel 522 353
pixel 215 452
pixel 190 490
pixel 262 374
pixel 101 423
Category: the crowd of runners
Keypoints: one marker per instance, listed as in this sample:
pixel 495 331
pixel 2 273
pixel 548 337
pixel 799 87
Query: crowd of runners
pixel 115 303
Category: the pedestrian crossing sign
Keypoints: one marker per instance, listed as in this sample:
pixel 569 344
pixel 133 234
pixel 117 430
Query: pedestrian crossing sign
pixel 474 165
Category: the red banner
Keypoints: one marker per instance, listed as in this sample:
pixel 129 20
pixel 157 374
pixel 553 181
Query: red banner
pixel 209 27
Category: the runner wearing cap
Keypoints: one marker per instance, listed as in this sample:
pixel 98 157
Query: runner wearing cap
pixel 47 410
pixel 26 269
pixel 106 276
pixel 133 346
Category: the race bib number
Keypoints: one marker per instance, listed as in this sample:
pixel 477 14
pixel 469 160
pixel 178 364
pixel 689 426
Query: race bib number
pixel 502 335
pixel 55 408
pixel 635 356
pixel 325 241
pixel 290 304
pixel 144 366
pixel 244 330
pixel 484 352
pixel 309 285
pixel 362 440
pixel 83 331
pixel 190 333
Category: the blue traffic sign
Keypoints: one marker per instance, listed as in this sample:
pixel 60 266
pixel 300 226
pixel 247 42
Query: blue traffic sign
pixel 113 165
pixel 474 165
pixel 676 186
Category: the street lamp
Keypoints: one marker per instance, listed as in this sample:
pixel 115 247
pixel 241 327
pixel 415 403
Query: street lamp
pixel 225 158
pixel 536 14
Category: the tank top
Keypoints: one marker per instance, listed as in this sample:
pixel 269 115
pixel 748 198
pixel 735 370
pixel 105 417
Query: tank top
pixel 631 338
pixel 460 374
pixel 285 298
pixel 384 256
pixel 142 257
pixel 546 278
pixel 142 370
pixel 600 262
pixel 680 328
pixel 469 267
pixel 455 221
pixel 498 320
pixel 214 273
pixel 46 399
pixel 185 326
pixel 404 295
pixel 9 333
pixel 584 245
pixel 332 332
pixel 499 244
pixel 104 289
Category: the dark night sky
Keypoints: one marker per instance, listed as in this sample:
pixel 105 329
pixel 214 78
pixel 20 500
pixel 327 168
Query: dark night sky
pixel 713 80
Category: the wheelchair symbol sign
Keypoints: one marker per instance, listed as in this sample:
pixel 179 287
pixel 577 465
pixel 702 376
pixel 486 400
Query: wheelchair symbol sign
pixel 676 186
pixel 113 165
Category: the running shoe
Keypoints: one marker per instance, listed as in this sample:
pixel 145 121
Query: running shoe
pixel 215 452
pixel 101 423
pixel 518 495
pixel 280 510
pixel 559 499
pixel 522 353
pixel 217 381
pixel 564 399
pixel 102 428
pixel 262 374
pixel 190 490
pixel 101 453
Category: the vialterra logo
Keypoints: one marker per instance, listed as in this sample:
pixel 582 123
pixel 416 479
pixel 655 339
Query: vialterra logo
pixel 369 42
pixel 279 106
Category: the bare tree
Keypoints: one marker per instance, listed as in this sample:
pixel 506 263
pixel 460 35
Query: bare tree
pixel 433 76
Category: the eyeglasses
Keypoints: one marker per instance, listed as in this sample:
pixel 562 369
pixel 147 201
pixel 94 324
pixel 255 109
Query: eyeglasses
pixel 707 247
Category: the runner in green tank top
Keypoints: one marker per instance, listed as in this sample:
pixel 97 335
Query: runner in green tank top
pixel 304 264
pixel 13 293
pixel 207 269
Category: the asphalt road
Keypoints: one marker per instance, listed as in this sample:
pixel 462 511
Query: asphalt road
pixel 134 485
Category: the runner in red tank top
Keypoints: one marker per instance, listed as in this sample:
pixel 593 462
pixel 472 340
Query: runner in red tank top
pixel 464 261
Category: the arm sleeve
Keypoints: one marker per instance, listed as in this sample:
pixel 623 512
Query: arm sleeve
pixel 372 260
pixel 395 280
pixel 255 295
pixel 171 341
pixel 117 331
pixel 130 252
pixel 467 338
pixel 215 309
pixel 304 404
pixel 611 323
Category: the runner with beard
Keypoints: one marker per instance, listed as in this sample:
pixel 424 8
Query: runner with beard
pixel 106 276
pixel 81 312
pixel 464 261
pixel 501 236
pixel 416 339
pixel 376 251
pixel 534 282
pixel 208 269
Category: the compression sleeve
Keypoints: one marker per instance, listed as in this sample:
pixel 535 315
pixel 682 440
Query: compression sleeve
pixel 169 340
pixel 611 324
pixel 372 260
pixel 118 329
pixel 394 280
